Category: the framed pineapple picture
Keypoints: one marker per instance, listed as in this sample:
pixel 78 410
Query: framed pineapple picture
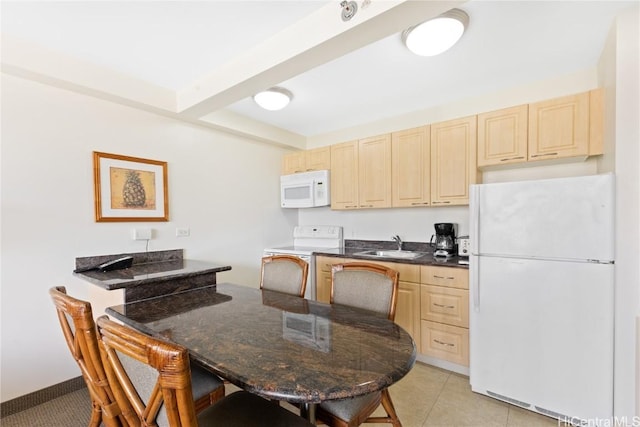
pixel 129 188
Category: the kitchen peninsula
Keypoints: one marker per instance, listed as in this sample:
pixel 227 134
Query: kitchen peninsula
pixel 151 274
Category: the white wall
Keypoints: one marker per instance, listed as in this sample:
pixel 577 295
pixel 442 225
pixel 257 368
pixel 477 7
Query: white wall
pixel 224 188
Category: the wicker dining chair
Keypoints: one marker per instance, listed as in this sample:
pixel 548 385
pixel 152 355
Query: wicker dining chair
pixel 170 400
pixel 79 329
pixel 284 273
pixel 375 288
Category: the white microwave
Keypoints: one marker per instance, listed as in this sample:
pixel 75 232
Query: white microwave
pixel 305 190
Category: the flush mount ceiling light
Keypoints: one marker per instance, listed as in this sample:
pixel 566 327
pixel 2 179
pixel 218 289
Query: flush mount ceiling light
pixel 436 35
pixel 273 99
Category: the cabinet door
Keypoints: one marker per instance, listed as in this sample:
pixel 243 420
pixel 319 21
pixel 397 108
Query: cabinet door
pixel 502 136
pixel 453 161
pixel 410 167
pixel 559 127
pixel 319 159
pixel 408 309
pixel 374 172
pixel 323 286
pixel 323 277
pixel 344 175
pixel 294 163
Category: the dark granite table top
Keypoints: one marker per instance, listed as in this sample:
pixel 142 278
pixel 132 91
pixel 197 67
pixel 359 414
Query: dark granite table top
pixel 276 345
pixel 152 272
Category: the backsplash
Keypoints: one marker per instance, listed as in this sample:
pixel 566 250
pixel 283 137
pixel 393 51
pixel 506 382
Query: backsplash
pixel 386 245
pixel 411 224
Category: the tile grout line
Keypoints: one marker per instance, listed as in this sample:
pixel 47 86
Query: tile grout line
pixel 436 400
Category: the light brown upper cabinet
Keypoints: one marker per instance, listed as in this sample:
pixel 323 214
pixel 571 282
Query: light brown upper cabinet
pixel 411 167
pixel 570 126
pixel 559 127
pixel 344 175
pixel 502 136
pixel 306 161
pixel 453 161
pixel 374 172
pixel 361 173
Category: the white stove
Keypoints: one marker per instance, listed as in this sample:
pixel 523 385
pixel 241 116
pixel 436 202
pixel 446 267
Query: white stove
pixel 306 240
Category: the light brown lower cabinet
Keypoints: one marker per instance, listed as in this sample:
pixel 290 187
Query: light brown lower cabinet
pixel 408 301
pixel 432 305
pixel 444 310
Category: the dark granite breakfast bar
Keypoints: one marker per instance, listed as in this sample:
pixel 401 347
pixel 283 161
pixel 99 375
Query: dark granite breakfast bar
pixel 152 274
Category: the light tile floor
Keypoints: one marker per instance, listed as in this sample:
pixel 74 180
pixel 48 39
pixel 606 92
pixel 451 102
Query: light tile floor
pixel 433 397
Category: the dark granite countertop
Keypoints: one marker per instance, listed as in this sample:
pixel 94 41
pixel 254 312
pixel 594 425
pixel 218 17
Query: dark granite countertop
pixel 148 267
pixel 277 345
pixel 156 272
pixel 352 247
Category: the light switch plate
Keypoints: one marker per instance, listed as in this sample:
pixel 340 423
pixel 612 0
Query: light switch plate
pixel 182 232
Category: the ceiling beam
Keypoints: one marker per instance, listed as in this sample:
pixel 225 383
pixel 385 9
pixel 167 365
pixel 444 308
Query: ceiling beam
pixel 312 41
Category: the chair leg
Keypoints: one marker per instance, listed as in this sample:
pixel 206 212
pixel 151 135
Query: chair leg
pixel 96 415
pixel 387 404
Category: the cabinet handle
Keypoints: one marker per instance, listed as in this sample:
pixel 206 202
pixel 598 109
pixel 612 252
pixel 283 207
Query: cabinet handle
pixel 419 203
pixel 513 158
pixel 443 277
pixel 443 343
pixel 543 155
pixel 366 206
pixel 349 207
pixel 437 203
pixel 444 306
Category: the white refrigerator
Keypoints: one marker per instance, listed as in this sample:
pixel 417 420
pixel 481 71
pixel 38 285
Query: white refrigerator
pixel 541 295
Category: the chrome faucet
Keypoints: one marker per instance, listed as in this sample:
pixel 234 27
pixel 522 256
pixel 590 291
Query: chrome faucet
pixel 398 240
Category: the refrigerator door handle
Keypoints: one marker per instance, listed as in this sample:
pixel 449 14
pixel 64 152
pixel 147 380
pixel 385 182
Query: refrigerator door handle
pixel 474 214
pixel 475 284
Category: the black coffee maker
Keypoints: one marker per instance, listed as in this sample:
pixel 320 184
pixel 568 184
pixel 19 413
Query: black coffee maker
pixel 445 245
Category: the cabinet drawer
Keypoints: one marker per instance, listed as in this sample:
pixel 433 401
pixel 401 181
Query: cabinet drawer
pixel 445 342
pixel 408 272
pixel 445 276
pixel 445 305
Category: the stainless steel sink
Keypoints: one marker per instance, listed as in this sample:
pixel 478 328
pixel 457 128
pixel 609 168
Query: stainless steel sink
pixel 391 254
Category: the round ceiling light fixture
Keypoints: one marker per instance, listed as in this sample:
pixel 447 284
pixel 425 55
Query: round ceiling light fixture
pixel 436 35
pixel 273 99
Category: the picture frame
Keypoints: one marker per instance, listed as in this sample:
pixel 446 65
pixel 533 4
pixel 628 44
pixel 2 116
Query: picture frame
pixel 129 189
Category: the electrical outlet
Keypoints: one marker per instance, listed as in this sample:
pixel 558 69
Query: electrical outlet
pixel 141 233
pixel 182 232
